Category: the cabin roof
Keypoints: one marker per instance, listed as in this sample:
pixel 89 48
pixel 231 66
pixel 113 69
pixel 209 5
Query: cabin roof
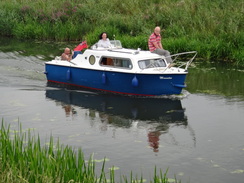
pixel 122 53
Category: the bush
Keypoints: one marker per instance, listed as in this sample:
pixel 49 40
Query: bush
pixel 213 28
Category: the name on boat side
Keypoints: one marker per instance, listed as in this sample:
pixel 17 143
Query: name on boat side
pixel 161 77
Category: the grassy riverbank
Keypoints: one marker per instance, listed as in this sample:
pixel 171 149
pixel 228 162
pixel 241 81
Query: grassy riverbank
pixel 213 28
pixel 24 159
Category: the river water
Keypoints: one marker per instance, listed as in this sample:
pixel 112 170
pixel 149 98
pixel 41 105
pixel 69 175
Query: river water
pixel 198 137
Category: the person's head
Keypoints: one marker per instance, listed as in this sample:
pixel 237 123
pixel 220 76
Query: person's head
pixel 157 30
pixel 67 51
pixel 103 36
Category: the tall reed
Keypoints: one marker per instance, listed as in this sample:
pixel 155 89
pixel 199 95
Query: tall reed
pixel 24 159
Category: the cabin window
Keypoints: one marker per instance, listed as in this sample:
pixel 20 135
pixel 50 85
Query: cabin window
pixel 151 63
pixel 116 62
pixel 92 59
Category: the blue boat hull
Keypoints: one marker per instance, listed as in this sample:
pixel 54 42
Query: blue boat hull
pixel 117 82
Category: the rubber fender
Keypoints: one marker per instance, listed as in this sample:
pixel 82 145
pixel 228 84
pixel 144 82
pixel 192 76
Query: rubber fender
pixel 68 75
pixel 135 81
pixel 104 78
pixel 179 85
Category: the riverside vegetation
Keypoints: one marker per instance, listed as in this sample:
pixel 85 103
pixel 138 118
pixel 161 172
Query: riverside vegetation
pixel 24 159
pixel 214 28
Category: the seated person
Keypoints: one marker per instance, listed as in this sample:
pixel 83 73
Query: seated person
pixel 104 41
pixel 155 45
pixel 107 61
pixel 66 55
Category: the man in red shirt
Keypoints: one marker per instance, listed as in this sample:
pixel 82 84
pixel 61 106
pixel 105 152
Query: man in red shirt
pixel 155 45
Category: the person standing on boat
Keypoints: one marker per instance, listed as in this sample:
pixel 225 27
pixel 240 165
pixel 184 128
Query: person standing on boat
pixel 104 41
pixel 66 55
pixel 155 45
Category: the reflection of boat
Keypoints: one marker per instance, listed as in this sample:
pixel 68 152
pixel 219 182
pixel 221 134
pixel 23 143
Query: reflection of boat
pixel 151 109
pixel 154 114
pixel 119 70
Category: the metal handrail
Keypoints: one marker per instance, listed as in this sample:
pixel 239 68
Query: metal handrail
pixel 188 63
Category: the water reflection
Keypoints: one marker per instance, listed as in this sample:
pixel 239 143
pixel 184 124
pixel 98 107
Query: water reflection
pixel 69 110
pixel 217 79
pixel 154 114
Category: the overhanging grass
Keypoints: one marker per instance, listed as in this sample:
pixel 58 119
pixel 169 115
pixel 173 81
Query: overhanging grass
pixel 216 26
pixel 24 159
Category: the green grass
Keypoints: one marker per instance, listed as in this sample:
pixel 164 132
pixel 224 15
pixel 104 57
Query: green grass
pixel 214 28
pixel 24 159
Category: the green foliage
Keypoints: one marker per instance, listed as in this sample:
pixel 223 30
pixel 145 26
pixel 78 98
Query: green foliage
pixel 216 25
pixel 24 159
pixel 8 19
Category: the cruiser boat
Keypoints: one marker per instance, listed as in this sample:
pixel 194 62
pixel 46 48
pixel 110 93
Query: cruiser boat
pixel 122 71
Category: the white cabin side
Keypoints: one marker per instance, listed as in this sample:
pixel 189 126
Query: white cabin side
pixel 124 60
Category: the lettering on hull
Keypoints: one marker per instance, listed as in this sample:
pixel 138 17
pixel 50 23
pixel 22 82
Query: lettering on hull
pixel 161 77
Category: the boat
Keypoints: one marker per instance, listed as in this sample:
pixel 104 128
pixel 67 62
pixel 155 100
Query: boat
pixel 121 71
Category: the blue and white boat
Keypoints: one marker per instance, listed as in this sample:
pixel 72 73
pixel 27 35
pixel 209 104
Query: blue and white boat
pixel 121 71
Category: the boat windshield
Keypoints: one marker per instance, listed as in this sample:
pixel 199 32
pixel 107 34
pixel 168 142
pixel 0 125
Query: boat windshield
pixel 115 43
pixel 151 63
